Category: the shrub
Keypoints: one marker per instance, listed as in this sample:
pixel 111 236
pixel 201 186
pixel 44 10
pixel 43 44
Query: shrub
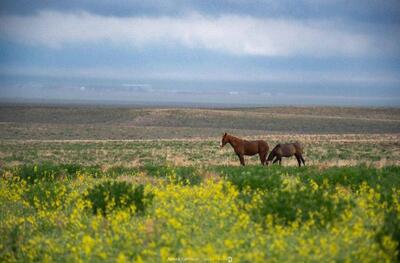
pixel 179 175
pixel 382 180
pixel 391 227
pixel 46 195
pixel 111 195
pixel 302 203
pixel 252 176
pixel 44 172
pixel 115 171
pixel 287 205
pixel 50 172
pixel 186 176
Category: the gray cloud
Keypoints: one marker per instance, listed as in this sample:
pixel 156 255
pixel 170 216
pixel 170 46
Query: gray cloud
pixel 232 34
pixel 387 11
pixel 274 76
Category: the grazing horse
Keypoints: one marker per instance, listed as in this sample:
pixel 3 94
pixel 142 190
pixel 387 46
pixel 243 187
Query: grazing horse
pixel 243 147
pixel 287 150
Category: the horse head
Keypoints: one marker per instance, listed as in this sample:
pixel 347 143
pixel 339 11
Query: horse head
pixel 272 154
pixel 224 140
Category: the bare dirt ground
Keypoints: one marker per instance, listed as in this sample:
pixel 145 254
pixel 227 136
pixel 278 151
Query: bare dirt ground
pixel 107 123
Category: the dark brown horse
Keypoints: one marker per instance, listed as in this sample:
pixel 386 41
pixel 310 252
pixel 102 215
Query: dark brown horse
pixel 243 147
pixel 287 150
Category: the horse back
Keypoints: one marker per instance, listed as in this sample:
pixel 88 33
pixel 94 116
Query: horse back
pixel 254 147
pixel 287 149
pixel 299 148
pixel 262 144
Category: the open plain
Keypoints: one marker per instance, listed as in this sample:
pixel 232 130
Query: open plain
pixel 152 184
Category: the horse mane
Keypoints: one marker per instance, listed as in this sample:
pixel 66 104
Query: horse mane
pixel 233 137
pixel 276 147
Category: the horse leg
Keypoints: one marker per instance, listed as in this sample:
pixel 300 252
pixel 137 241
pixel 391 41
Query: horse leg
pixel 262 158
pixel 265 159
pixel 241 158
pixel 302 159
pixel 298 160
pixel 280 160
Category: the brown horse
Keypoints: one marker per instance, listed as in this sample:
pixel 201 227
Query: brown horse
pixel 243 147
pixel 286 150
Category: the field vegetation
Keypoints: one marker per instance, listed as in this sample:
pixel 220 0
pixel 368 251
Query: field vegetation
pixel 97 184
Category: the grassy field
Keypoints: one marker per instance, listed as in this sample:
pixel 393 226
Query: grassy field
pixel 99 184
pixel 323 150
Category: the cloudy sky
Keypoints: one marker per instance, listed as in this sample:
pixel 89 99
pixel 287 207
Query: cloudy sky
pixel 304 52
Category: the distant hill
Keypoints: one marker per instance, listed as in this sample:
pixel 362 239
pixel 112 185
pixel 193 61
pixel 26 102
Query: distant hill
pixel 106 122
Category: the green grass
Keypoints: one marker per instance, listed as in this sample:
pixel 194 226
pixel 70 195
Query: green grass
pixel 182 153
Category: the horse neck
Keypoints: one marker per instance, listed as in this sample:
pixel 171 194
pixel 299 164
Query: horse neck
pixel 273 152
pixel 232 140
pixel 275 149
